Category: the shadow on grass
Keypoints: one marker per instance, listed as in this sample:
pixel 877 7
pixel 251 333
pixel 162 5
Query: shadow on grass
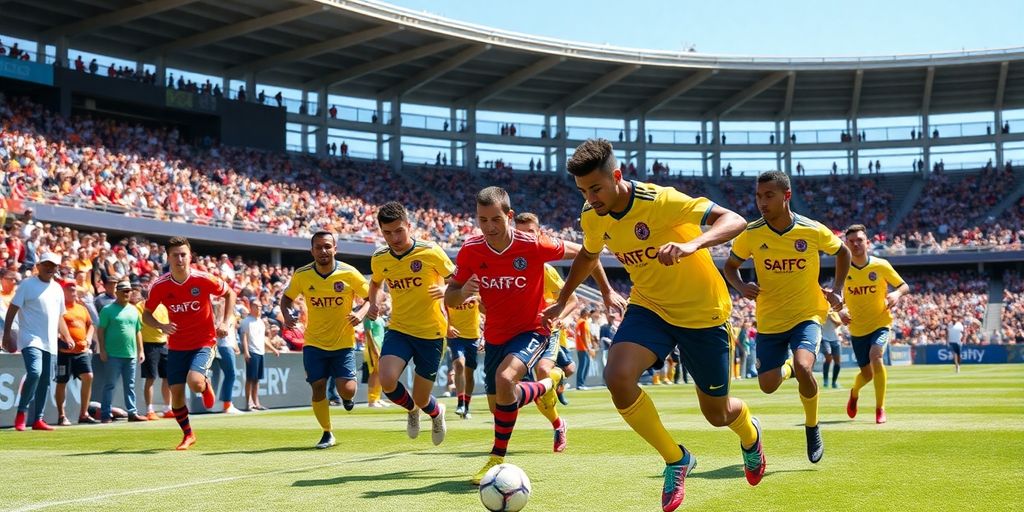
pixel 120 451
pixel 730 472
pixel 339 480
pixel 279 449
pixel 827 422
pixel 460 485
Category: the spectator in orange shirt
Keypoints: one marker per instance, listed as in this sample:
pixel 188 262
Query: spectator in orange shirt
pixel 584 348
pixel 74 360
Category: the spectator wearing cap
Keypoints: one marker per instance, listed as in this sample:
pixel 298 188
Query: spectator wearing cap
pixel 38 304
pixel 109 295
pixel 73 357
pixel 120 339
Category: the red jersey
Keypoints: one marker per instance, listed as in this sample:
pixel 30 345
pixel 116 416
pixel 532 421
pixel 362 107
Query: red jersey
pixel 189 307
pixel 511 282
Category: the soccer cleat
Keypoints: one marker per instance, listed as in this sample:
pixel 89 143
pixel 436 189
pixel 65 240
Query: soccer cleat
pixel 439 427
pixel 560 432
pixel 675 478
pixel 41 425
pixel 208 397
pixel 347 404
pixel 549 397
pixel 412 424
pixel 326 441
pixel 815 445
pixel 851 406
pixel 880 415
pixel 186 442
pixel 468 416
pixel 494 460
pixel 19 421
pixel 753 459
pixel 562 399
pixel 460 411
pixel 835 385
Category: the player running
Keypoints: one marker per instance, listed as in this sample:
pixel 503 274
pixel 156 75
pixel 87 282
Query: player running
pixel 790 305
pixel 329 288
pixel 869 302
pixel 191 328
pixel 463 342
pixel 414 272
pixel 678 299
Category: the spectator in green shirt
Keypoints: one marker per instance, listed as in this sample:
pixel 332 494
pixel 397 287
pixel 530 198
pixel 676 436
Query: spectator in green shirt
pixel 120 340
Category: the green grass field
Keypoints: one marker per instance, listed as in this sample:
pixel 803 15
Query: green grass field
pixel 953 442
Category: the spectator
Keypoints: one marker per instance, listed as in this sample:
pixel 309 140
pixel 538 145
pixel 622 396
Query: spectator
pixel 120 340
pixel 333 112
pixel 254 344
pixel 584 349
pixel 227 349
pixel 279 98
pixel 73 358
pixel 93 66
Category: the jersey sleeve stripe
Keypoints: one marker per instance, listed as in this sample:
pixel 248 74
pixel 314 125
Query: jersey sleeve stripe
pixel 736 256
pixel 707 213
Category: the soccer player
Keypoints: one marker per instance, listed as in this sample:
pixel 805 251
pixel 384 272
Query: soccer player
pixel 506 268
pixel 414 272
pixel 329 288
pixel 790 305
pixel 190 327
pixel 869 302
pixel 154 347
pixel 463 344
pixel 678 299
pixel 830 347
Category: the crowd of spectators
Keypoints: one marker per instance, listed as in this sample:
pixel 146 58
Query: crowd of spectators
pixel 1013 309
pixel 938 299
pixel 952 204
pixel 839 202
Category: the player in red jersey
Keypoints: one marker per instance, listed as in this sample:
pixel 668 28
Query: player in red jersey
pixel 505 267
pixel 191 330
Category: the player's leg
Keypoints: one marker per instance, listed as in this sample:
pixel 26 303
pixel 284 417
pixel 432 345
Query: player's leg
pixel 568 366
pixel 469 376
pixel 317 364
pixel 861 352
pixel 426 357
pixel 550 411
pixel 342 365
pixel 879 340
pixel 804 341
pixel 772 367
pixel 179 363
pixel 837 356
pixel 458 355
pixel 198 379
pixel 826 350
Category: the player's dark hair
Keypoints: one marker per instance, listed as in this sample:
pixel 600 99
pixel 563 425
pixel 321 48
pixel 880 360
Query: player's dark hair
pixel 593 154
pixel 392 211
pixel 178 241
pixel 855 228
pixel 527 218
pixel 318 234
pixel 494 196
pixel 777 177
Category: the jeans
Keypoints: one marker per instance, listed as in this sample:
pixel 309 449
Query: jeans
pixel 583 367
pixel 227 367
pixel 123 368
pixel 39 366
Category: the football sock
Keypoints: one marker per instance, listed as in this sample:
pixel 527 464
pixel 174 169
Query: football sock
pixel 835 372
pixel 787 369
pixel 824 372
pixel 672 373
pixel 373 394
pixel 881 379
pixel 504 422
pixel 322 411
pixel 401 397
pixel 810 409
pixel 466 400
pixel 181 415
pixel 462 400
pixel 858 382
pixel 550 413
pixel 431 407
pixel 643 418
pixel 744 428
pixel 529 391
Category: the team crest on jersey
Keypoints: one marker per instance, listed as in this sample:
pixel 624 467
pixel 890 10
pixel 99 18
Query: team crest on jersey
pixel 872 276
pixel 642 231
pixel 800 245
pixel 195 291
pixel 416 265
pixel 339 286
pixel 519 263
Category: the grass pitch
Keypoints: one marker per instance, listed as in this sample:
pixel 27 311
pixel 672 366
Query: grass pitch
pixel 953 442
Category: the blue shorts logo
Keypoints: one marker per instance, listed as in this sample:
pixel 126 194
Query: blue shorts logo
pixel 519 263
pixel 872 276
pixel 195 291
pixel 800 245
pixel 641 231
pixel 416 265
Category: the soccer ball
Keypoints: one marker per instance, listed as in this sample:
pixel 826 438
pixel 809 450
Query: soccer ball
pixel 505 488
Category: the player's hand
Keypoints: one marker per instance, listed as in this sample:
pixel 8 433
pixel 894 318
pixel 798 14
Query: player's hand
pixel 169 328
pixel 749 290
pixel 436 291
pixel 892 299
pixel 844 315
pixel 453 332
pixel 551 314
pixel 103 355
pixel 373 311
pixel 613 301
pixel 834 299
pixel 355 319
pixel 472 287
pixel 672 252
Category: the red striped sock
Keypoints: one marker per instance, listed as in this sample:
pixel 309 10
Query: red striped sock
pixel 504 422
pixel 181 415
pixel 431 408
pixel 462 399
pixel 529 391
pixel 466 399
pixel 401 397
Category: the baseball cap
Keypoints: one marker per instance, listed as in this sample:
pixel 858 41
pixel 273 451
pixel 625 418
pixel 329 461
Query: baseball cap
pixel 69 284
pixel 123 286
pixel 50 257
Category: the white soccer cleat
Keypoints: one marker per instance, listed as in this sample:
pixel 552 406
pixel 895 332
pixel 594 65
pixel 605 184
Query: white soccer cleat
pixel 439 427
pixel 412 424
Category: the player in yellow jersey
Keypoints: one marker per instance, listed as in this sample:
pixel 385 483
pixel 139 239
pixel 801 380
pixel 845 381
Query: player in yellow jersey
pixel 414 272
pixel 790 306
pixel 869 301
pixel 329 288
pixel 678 299
pixel 463 343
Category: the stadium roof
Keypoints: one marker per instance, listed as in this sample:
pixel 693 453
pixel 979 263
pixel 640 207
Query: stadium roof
pixel 367 49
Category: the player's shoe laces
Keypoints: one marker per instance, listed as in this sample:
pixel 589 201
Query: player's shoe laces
pixel 326 441
pixel 851 406
pixel 412 424
pixel 494 460
pixel 186 442
pixel 550 396
pixel 347 404
pixel 753 459
pixel 880 415
pixel 560 432
pixel 208 398
pixel 675 477
pixel 815 445
pixel 439 427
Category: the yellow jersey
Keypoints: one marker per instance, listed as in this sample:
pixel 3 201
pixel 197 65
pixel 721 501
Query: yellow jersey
pixel 466 318
pixel 329 301
pixel 691 293
pixel 553 283
pixel 866 288
pixel 152 334
pixel 408 277
pixel 787 265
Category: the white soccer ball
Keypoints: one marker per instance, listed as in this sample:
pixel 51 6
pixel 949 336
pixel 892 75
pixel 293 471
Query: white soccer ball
pixel 505 488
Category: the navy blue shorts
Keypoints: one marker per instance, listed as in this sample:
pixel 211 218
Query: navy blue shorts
pixel 527 347
pixel 323 364
pixel 180 362
pixel 955 347
pixel 708 351
pixel 773 349
pixel 862 345
pixel 830 347
pixel 564 359
pixel 465 348
pixel 425 354
pixel 254 367
pixel 551 353
pixel 72 365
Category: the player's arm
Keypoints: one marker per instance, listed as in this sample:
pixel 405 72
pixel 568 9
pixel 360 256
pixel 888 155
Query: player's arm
pixel 723 225
pixel 457 293
pixel 894 296
pixel 733 277
pixel 570 307
pixel 835 295
pixel 582 266
pixel 373 299
pixel 356 317
pixel 286 311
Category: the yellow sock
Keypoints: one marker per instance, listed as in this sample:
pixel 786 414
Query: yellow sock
pixel 643 418
pixel 322 411
pixel 787 369
pixel 858 382
pixel 551 414
pixel 672 373
pixel 881 379
pixel 373 394
pixel 657 378
pixel 810 409
pixel 744 428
